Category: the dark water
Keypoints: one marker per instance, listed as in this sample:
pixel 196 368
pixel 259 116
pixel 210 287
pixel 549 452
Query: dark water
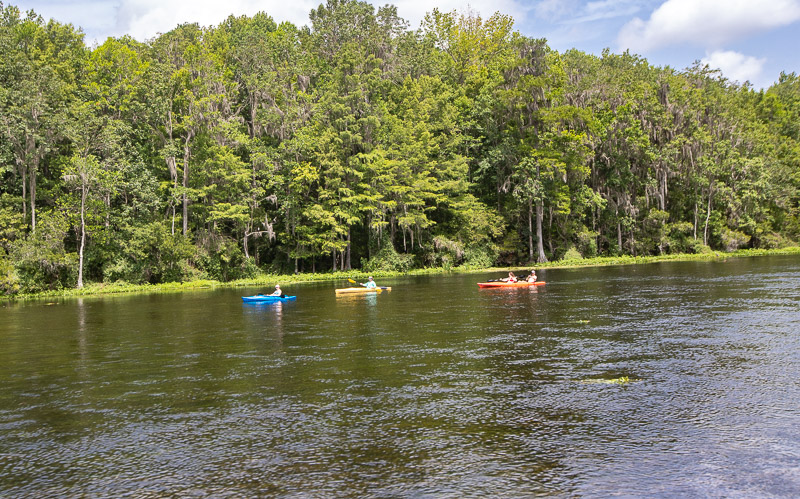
pixel 436 389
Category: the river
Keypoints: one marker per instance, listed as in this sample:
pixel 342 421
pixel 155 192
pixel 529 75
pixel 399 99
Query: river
pixel 659 380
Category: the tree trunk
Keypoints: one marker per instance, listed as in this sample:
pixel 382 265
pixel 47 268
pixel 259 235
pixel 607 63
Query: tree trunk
pixel 186 155
pixel 369 236
pixel 539 243
pixel 393 230
pixel 108 210
pixel 347 257
pixel 32 193
pixel 83 235
pixel 24 172
pixel 708 215
pixel 530 230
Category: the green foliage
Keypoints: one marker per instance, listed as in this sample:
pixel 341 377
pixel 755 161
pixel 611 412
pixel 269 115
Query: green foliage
pixel 388 259
pixel 222 258
pixel 150 254
pixel 9 282
pixel 12 226
pixel 572 254
pixel 479 257
pixel 586 242
pixel 733 239
pixel 697 247
pixel 444 252
pixel 40 260
pixel 773 240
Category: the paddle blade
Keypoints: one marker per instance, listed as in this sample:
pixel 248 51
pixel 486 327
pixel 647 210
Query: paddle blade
pixel 352 281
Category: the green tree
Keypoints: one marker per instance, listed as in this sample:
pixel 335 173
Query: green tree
pixel 88 178
pixel 38 76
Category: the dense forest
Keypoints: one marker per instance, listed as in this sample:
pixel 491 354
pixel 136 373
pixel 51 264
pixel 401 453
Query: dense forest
pixel 356 142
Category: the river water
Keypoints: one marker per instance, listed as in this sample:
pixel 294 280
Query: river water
pixel 660 380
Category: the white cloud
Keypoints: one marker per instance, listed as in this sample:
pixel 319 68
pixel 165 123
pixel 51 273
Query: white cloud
pixel 554 10
pixel 607 9
pixel 579 11
pixel 144 19
pixel 414 11
pixel 736 66
pixel 709 23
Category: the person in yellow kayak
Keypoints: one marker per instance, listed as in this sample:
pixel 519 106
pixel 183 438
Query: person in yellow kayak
pixel 370 284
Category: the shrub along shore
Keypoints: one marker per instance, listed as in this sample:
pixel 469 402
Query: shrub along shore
pixel 269 280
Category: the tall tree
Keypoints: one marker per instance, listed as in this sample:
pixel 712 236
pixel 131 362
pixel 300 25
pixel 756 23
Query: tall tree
pixel 38 77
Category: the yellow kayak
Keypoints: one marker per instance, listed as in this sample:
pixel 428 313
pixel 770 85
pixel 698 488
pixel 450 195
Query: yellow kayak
pixel 343 291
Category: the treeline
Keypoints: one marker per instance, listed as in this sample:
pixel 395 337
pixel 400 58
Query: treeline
pixel 357 142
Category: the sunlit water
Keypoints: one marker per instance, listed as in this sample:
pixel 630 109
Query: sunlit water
pixel 662 380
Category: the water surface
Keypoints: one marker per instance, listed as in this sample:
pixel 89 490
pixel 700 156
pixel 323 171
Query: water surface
pixel 669 379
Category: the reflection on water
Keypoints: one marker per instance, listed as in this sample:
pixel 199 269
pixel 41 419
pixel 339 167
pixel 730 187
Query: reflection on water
pixel 666 380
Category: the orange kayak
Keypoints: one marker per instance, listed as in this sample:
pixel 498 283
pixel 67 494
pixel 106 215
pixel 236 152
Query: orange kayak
pixel 501 284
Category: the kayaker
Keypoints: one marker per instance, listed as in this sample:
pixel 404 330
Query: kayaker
pixel 370 284
pixel 511 278
pixel 277 291
pixel 532 277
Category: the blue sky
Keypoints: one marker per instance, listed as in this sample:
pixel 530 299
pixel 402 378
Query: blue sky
pixel 749 40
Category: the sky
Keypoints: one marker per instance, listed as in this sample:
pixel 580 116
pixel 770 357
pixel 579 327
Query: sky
pixel 748 40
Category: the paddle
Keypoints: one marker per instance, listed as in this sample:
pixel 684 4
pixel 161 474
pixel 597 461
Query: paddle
pixel 354 282
pixel 379 287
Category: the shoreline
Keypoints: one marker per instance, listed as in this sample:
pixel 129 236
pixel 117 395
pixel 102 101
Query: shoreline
pixel 100 289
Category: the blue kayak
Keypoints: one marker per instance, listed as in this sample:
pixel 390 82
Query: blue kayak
pixel 266 298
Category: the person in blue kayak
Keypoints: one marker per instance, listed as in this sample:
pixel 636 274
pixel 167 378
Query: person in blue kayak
pixel 277 291
pixel 370 284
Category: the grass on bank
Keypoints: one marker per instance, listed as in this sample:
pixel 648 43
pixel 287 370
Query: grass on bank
pixel 269 280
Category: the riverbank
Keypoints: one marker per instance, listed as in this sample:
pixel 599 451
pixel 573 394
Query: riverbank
pixel 269 280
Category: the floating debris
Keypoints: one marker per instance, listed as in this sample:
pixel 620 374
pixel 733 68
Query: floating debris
pixel 623 380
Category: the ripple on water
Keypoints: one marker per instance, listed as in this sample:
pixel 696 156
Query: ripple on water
pixel 414 394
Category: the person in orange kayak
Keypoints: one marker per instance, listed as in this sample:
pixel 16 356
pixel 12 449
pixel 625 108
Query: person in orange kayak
pixel 511 278
pixel 532 277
